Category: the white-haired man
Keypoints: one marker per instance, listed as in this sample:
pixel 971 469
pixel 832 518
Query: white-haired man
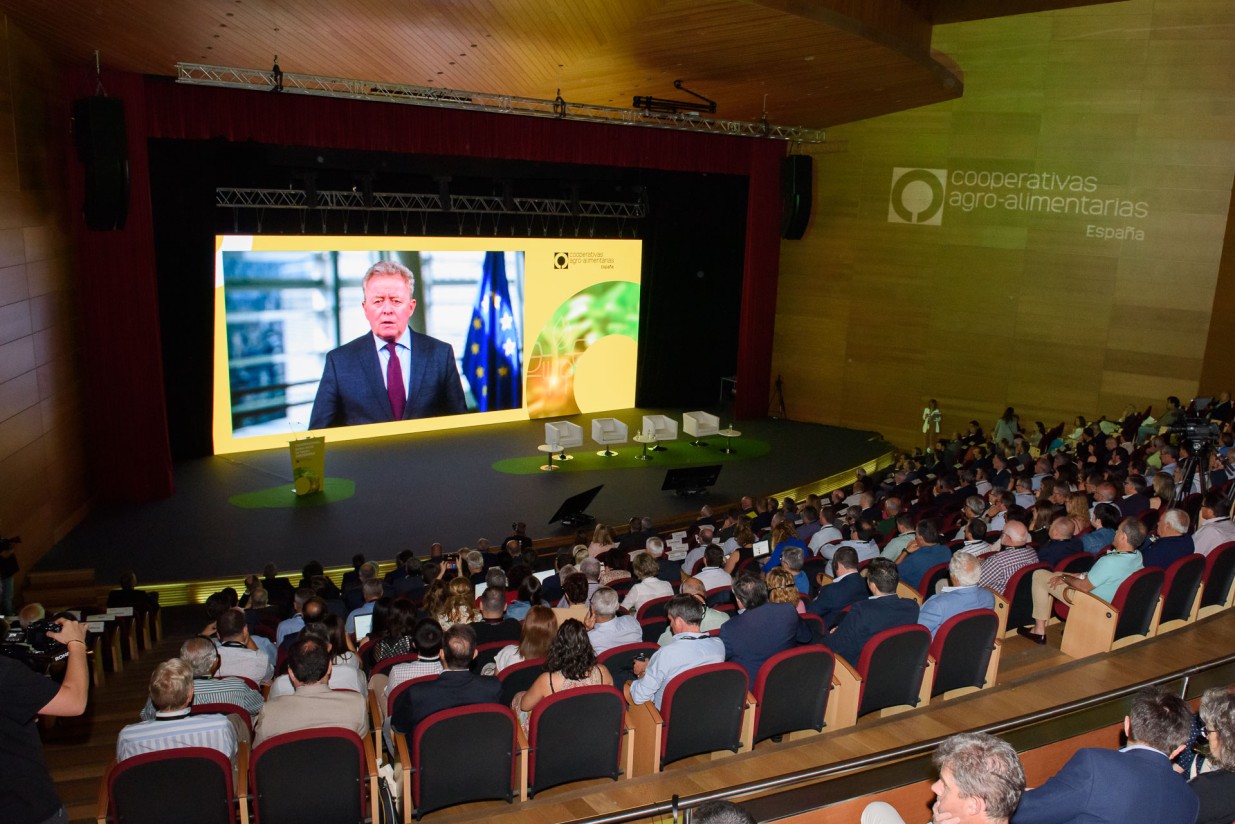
pixel 965 570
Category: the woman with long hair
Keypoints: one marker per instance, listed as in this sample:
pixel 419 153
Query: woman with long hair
pixel 571 663
pixel 459 606
pixel 602 541
pixel 397 633
pixel 1078 511
pixel 528 596
pixel 782 590
pixel 536 635
pixel 1164 491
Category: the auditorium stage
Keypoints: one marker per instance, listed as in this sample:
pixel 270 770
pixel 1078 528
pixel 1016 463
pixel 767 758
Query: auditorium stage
pixel 413 490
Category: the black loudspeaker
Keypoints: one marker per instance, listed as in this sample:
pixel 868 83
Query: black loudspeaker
pixel 102 145
pixel 796 188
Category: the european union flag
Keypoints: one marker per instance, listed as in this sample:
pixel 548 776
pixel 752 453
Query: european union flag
pixel 491 356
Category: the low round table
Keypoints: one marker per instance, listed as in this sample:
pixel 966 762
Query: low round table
pixel 549 449
pixel 729 435
pixel 646 440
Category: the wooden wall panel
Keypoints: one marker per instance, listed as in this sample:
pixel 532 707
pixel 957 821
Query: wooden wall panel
pixel 42 450
pixel 1007 304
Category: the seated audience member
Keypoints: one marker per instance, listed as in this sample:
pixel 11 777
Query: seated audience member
pixel 712 618
pixel 823 542
pixel 1061 544
pixel 400 570
pixel 259 613
pixel 691 648
pixel 238 654
pixel 519 536
pixel 128 595
pixel 862 541
pixel 922 554
pixel 472 566
pixel 281 590
pixel 720 812
pixel 973 510
pixel 782 589
pixel 783 535
pixel 1103 580
pixel 314 577
pixel 428 640
pixel 30 613
pixel 1105 519
pixel 457 686
pixel 975 539
pixel 905 534
pixel 571 663
pixel 313 704
pixel 397 630
pixel 171 726
pixel 372 592
pixel 494 625
pixel 760 629
pixel 981 781
pixel 590 567
pixel 1042 513
pixel 351 579
pixel 529 594
pixel 882 610
pixel 345 671
pixel 1215 784
pixel 459 606
pixel 668 571
pixel 411 584
pixel 296 622
pixel 998 568
pixel 1173 542
pixel 649 587
pixel 605 628
pixel 574 598
pixel 1136 783
pixel 963 595
pixel 713 574
pixel 537 633
pixel 1134 500
pixel 1214 526
pixel 552 585
pixel 699 542
pixel 203 658
pixel 792 560
pixel 847 587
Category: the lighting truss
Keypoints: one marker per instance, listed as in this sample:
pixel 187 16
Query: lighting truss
pixel 258 80
pixel 347 200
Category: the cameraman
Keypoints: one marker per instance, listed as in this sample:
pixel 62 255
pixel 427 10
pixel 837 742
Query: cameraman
pixel 27 794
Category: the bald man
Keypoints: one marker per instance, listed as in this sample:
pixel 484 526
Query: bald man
pixel 1016 554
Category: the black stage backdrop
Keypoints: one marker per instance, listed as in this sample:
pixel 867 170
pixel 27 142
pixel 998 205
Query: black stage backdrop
pixel 694 239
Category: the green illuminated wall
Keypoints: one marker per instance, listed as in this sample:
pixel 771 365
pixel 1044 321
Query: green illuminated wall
pixel 1085 181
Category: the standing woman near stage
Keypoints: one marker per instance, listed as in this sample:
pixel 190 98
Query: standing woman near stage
pixel 931 416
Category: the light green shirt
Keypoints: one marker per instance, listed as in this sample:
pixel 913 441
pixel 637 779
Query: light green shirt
pixel 1111 570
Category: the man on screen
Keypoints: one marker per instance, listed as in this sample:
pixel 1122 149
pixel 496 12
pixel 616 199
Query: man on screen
pixel 393 374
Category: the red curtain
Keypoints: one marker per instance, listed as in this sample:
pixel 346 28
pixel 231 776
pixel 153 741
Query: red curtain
pixel 120 313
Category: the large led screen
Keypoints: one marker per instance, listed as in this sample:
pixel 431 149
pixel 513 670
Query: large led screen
pixel 312 333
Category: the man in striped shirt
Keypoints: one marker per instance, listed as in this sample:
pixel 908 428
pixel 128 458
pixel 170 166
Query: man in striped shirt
pixel 171 691
pixel 203 657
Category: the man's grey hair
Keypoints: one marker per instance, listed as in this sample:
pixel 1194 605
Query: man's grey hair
pixel 986 767
pixel 475 560
pixel 390 267
pixel 976 505
pixel 201 655
pixel 495 577
pixel 646 523
pixel 1178 519
pixel 964 569
pixel 591 568
pixel 655 547
pixel 792 558
pixel 367 571
pixel 372 589
pixel 605 602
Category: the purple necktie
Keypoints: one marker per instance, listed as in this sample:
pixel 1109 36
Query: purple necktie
pixel 394 383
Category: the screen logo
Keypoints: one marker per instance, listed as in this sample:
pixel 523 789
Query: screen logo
pixel 917 196
pixel 561 260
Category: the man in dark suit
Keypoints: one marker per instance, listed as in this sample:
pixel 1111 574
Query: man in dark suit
pixel 848 587
pixel 882 610
pixel 1062 542
pixel 1136 783
pixel 762 629
pixel 455 687
pixel 393 374
pixel 1173 542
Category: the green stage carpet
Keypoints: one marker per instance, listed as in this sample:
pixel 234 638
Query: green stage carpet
pixel 283 497
pixel 678 453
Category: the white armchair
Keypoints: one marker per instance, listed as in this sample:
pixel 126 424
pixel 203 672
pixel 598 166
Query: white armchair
pixel 662 428
pixel 563 434
pixel 606 432
pixel 700 425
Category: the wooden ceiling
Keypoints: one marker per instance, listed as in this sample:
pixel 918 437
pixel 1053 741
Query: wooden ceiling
pixel 804 62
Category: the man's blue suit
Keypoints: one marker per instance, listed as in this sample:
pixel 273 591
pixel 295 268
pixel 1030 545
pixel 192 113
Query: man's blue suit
pixel 938 608
pixel 1166 551
pixel 757 634
pixel 865 620
pixel 1111 787
pixel 353 389
pixel 833 598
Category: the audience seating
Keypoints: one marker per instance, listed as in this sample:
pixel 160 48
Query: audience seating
pixel 791 692
pixel 221 708
pixel 816 625
pixel 382 707
pixel 137 789
pixel 594 717
pixel 1019 598
pixel 891 675
pixel 1077 562
pixel 337 765
pixel 1094 626
pixel 460 755
pixel 618 659
pixel 1181 592
pixel 1219 591
pixel 704 710
pixel 485 653
pixel 519 677
pixel 700 425
pixel 384 666
pixel 653 628
pixel 654 608
pixel 926 587
pixel 966 653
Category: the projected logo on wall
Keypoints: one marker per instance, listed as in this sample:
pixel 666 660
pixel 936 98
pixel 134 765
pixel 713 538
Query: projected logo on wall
pixel 917 196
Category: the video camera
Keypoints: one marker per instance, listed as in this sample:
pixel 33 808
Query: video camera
pixel 1198 434
pixel 31 645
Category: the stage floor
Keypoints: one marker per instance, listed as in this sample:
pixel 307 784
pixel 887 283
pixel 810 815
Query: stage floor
pixel 413 490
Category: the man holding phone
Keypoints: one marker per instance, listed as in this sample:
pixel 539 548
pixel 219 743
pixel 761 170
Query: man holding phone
pixel 690 649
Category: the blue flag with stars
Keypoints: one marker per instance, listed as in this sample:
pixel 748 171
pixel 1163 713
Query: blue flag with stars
pixel 491 355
